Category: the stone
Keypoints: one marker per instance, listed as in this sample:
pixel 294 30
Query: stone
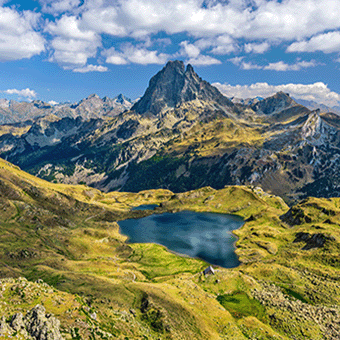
pixel 42 326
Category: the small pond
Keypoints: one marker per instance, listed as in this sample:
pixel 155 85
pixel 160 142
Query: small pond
pixel 204 235
pixel 145 207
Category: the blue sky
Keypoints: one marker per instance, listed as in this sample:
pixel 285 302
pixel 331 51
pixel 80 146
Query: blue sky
pixel 65 50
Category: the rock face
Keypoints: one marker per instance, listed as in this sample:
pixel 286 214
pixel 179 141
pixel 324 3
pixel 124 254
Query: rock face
pixel 273 104
pixel 36 325
pixel 312 241
pixel 174 85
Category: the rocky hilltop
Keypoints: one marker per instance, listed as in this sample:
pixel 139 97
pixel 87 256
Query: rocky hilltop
pixel 35 325
pixel 186 134
pixel 175 85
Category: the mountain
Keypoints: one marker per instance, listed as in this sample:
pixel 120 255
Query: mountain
pixel 312 105
pixel 93 106
pixel 183 134
pixel 175 85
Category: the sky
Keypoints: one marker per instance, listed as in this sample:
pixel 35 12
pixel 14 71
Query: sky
pixel 66 50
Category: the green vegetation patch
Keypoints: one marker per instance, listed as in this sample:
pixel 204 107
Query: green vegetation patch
pixel 240 305
pixel 295 295
pixel 154 261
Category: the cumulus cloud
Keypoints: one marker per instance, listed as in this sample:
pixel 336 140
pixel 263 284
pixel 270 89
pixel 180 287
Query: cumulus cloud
pixel 282 66
pixel 219 45
pixel 318 92
pixel 256 48
pixel 52 102
pixel 277 66
pixel 217 28
pixel 286 20
pixel 189 50
pixel 90 68
pixel 27 93
pixel 193 54
pixel 59 6
pixel 18 38
pixel 328 43
pixel 250 66
pixel 72 44
pixel 134 54
pixel 204 60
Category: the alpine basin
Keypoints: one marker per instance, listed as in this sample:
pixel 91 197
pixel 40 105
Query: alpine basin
pixel 204 235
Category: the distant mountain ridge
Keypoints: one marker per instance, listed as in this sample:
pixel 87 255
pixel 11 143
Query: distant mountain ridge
pixel 183 134
pixel 93 106
pixel 312 105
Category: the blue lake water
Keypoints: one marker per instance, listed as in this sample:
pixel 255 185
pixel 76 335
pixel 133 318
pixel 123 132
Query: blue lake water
pixel 145 207
pixel 204 235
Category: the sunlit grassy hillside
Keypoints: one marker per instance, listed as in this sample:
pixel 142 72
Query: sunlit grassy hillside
pixel 101 287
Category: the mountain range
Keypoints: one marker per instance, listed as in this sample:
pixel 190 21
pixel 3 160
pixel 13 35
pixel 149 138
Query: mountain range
pixel 182 134
pixel 93 106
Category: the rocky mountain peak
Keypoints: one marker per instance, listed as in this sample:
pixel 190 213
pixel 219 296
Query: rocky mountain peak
pixel 93 95
pixel 174 85
pixel 273 104
pixel 121 99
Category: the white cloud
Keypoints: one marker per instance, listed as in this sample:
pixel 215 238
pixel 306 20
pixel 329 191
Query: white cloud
pixel 282 66
pixel 27 93
pixel 277 66
pixel 318 92
pixel 219 28
pixel 250 66
pixel 52 102
pixel 115 58
pixel 256 48
pixel 284 20
pixel 90 68
pixel 73 44
pixel 328 43
pixel 189 50
pixel 220 45
pixel 193 53
pixel 134 54
pixel 18 38
pixel 204 60
pixel 239 61
pixel 59 6
pixel 236 60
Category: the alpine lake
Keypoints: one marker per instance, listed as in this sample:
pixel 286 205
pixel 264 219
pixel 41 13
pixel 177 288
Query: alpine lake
pixel 207 236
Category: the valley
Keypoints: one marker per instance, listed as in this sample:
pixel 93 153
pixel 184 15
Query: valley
pixel 65 241
pixel 69 173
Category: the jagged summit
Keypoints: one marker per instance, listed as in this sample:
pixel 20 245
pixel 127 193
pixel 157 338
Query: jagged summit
pixel 175 84
pixel 275 103
pixel 121 99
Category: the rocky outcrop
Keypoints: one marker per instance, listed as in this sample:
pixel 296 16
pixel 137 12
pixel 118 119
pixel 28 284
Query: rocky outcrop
pixel 312 240
pixel 174 85
pixel 276 103
pixel 295 216
pixel 295 313
pixel 35 325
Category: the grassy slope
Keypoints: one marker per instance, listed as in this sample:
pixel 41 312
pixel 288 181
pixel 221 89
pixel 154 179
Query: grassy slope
pixel 66 235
